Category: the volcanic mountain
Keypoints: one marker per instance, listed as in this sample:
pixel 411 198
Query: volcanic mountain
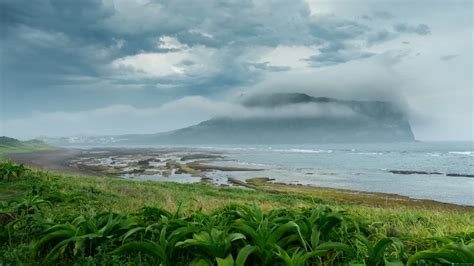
pixel 283 118
pixel 290 118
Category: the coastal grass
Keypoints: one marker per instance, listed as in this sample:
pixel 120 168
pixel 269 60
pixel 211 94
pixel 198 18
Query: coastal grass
pixel 23 147
pixel 70 219
pixel 129 196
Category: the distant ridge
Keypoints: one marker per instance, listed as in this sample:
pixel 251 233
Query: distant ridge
pixel 371 121
pixel 11 145
pixel 9 142
pixel 282 99
pixel 12 142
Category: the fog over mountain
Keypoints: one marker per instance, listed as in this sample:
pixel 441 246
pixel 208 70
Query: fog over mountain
pixel 145 66
pixel 281 118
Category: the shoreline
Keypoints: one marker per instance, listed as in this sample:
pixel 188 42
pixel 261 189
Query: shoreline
pixel 57 161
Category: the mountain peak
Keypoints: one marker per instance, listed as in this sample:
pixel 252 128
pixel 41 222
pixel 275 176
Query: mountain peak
pixel 282 99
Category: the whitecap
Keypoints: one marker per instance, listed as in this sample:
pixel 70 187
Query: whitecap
pixel 303 151
pixel 469 153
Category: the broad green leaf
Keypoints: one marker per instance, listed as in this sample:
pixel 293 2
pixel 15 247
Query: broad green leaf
pixel 200 262
pixel 148 247
pixel 244 253
pixel 228 261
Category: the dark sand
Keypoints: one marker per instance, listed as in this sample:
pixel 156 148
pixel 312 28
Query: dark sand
pixel 53 161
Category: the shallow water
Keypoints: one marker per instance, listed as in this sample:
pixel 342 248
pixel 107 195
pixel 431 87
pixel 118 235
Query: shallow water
pixel 363 167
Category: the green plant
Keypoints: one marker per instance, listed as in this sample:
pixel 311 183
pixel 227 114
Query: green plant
pixel 28 204
pixel 164 247
pixel 83 234
pixel 56 222
pixel 10 170
pixel 214 243
pixel 450 253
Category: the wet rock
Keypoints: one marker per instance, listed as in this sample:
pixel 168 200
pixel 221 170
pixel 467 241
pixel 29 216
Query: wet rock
pixel 145 162
pixel 199 156
pixel 207 167
pixel 151 172
pixel 409 172
pixel 237 182
pixel 166 173
pixel 259 180
pixel 206 180
pixel 460 175
pixel 136 171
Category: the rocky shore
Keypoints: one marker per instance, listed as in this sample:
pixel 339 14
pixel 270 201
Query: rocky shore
pixel 196 166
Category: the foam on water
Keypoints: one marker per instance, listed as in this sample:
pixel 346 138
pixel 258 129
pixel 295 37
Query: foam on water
pixel 470 153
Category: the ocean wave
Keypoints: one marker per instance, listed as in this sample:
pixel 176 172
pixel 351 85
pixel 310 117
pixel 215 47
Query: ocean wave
pixel 469 153
pixel 369 153
pixel 302 151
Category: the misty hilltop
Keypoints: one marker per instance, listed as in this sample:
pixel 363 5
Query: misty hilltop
pixel 284 118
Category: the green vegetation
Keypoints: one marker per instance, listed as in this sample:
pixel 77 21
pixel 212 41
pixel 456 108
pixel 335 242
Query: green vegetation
pixel 11 145
pixel 10 170
pixel 57 219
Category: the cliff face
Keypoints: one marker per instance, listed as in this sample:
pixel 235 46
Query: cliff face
pixel 369 121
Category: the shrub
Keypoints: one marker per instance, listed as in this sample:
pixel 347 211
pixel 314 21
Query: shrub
pixel 10 170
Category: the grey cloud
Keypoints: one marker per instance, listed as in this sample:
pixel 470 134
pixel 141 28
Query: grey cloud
pixel 448 57
pixel 400 28
pixel 420 29
pixel 333 30
pixel 383 15
pixel 188 62
pixel 380 36
pixel 336 53
pixel 378 15
pixel 372 79
pixel 334 58
pixel 49 47
pixel 267 66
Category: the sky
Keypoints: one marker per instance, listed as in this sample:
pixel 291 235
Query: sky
pixel 100 67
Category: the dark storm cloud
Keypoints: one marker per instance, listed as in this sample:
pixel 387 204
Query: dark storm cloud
pixel 62 61
pixel 60 53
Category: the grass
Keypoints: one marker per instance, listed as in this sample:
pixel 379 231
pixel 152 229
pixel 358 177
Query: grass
pixel 4 150
pixel 125 196
pixel 10 145
pixel 56 201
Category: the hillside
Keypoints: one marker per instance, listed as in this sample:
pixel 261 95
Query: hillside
pixel 9 142
pixel 11 145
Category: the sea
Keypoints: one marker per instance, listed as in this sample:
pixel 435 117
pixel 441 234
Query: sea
pixel 362 167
